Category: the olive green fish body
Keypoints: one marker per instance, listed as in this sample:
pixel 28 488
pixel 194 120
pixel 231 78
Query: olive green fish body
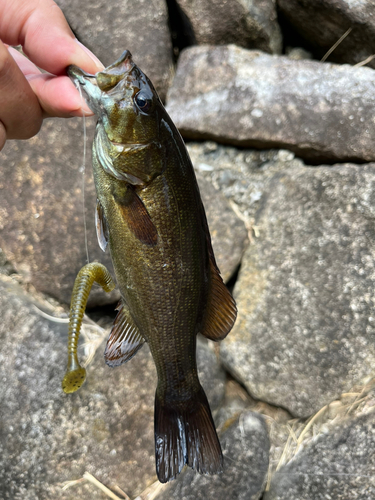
pixel 150 213
pixel 163 282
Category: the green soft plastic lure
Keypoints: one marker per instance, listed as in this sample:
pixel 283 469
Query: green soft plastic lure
pixel 75 374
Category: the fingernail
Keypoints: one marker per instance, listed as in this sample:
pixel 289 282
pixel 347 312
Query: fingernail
pixel 84 111
pixel 98 64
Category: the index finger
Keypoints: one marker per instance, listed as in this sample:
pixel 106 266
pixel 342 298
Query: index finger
pixel 42 30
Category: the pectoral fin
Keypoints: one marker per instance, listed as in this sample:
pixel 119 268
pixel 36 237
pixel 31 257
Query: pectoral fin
pixel 221 310
pixel 124 340
pixel 136 216
pixel 101 226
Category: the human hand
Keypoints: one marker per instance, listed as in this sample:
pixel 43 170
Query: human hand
pixel 26 94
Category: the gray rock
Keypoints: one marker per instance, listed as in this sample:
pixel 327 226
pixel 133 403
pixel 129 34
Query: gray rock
pixel 320 111
pixel 241 175
pixel 108 28
pixel 338 465
pixel 297 53
pixel 248 23
pixel 305 329
pixel 324 22
pixel 211 373
pixel 245 447
pixel 106 428
pixel 291 438
pixel 228 232
pixel 41 214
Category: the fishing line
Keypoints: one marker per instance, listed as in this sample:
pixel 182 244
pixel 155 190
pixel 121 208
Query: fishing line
pixel 82 169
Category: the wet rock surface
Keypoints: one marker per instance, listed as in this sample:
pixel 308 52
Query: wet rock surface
pixel 249 23
pixel 305 329
pixel 324 22
pixel 319 111
pixel 106 428
pixel 108 28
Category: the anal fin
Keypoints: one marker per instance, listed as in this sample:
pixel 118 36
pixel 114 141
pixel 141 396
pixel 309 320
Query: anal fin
pixel 221 310
pixel 124 340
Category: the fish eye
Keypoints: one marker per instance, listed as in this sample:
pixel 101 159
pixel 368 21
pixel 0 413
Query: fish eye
pixel 143 102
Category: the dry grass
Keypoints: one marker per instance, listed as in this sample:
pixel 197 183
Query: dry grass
pixel 150 493
pixel 335 45
pixel 365 61
pixel 293 436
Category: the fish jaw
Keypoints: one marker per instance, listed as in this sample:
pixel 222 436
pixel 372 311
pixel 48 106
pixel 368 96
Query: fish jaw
pixel 87 83
pixel 94 86
pixel 116 72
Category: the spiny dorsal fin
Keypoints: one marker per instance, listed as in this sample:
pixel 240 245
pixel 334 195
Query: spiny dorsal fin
pixel 101 226
pixel 136 216
pixel 221 310
pixel 124 340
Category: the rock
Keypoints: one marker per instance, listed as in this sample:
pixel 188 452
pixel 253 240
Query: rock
pixel 290 440
pixel 247 23
pixel 108 28
pixel 319 111
pixel 323 23
pixel 106 428
pixel 47 437
pixel 305 329
pixel 245 447
pixel 297 53
pixel 211 373
pixel 228 232
pixel 241 175
pixel 41 215
pixel 337 465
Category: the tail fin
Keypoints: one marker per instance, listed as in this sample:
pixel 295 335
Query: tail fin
pixel 186 435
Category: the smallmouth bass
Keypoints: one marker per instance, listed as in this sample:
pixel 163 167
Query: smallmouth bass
pixel 150 215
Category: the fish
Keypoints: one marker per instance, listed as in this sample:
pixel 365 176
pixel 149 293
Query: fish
pixel 151 217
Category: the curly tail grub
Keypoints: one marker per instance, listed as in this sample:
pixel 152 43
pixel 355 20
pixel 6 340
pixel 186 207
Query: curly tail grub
pixel 75 375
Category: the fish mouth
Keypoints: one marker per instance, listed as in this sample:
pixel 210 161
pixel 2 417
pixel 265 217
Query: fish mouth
pixel 96 86
pixel 87 82
pixel 78 75
pixel 108 77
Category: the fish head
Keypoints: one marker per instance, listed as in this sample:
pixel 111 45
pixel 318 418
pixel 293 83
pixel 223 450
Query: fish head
pixel 129 113
pixel 122 97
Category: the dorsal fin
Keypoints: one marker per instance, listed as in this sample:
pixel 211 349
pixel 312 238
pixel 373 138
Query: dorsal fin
pixel 221 310
pixel 136 216
pixel 124 340
pixel 101 226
